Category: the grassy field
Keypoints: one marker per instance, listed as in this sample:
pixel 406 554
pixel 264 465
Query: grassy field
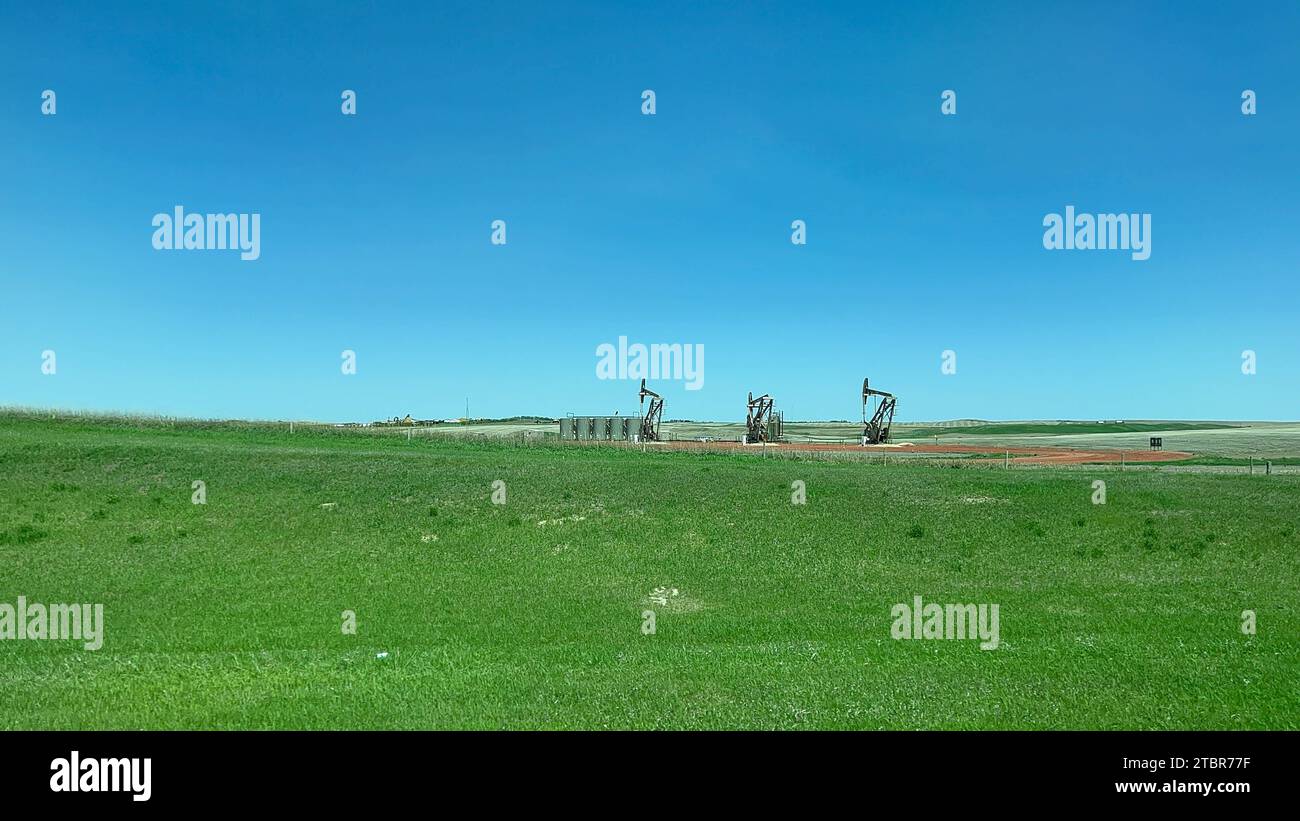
pixel 1260 440
pixel 1056 428
pixel 529 614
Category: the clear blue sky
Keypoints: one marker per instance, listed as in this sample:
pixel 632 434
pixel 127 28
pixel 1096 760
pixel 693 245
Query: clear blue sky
pixel 924 231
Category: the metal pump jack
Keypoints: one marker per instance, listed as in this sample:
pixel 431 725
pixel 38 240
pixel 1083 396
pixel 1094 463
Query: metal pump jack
pixel 650 418
pixel 876 429
pixel 758 418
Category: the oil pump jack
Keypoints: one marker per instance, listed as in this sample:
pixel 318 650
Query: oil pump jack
pixel 758 418
pixel 876 429
pixel 650 418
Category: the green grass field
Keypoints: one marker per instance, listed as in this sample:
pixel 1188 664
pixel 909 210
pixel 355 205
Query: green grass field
pixel 529 614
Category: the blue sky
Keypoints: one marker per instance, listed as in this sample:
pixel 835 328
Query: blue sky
pixel 924 231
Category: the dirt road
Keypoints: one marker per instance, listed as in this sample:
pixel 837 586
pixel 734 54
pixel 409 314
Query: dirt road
pixel 1019 455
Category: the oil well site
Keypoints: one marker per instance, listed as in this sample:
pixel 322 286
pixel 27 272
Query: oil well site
pixel 765 431
pixel 761 429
